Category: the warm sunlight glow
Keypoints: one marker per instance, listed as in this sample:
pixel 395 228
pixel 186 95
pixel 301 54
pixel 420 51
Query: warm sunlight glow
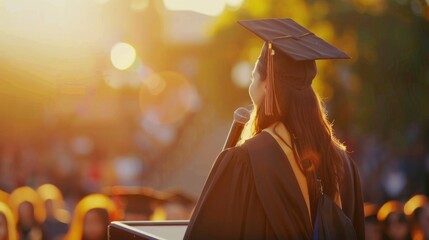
pixel 155 84
pixel 207 7
pixel 101 1
pixel 139 5
pixel 166 97
pixel 14 6
pixel 122 55
pixel 234 3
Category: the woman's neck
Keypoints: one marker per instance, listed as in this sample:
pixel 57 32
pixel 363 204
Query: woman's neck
pixel 278 129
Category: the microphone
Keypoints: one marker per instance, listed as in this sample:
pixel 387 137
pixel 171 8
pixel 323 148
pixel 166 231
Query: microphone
pixel 241 116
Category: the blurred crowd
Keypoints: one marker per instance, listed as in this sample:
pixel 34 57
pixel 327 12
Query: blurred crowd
pixel 42 213
pixel 398 220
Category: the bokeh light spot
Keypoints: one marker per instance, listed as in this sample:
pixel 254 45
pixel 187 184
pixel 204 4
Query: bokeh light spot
pixel 190 98
pixel 241 74
pixel 122 55
pixel 167 97
pixel 114 78
pixel 155 84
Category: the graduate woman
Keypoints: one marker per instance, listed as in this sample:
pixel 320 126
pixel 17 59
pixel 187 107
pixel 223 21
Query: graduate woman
pixel 266 188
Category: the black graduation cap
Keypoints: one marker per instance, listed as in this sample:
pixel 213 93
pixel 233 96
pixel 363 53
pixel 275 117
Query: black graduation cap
pixel 135 200
pixel 138 203
pixel 180 197
pixel 292 49
pixel 292 39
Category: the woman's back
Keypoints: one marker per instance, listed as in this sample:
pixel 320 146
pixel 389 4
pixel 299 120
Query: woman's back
pixel 252 193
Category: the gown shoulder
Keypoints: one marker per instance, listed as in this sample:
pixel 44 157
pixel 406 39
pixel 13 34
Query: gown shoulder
pixel 229 205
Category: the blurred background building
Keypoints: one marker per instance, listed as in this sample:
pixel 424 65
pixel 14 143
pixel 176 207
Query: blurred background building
pixel 97 93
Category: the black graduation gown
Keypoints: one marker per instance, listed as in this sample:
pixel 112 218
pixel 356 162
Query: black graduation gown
pixel 259 197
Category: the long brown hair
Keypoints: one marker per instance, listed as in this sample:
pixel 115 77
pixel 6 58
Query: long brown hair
pixel 313 141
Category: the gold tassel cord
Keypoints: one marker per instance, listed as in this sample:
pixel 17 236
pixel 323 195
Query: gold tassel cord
pixel 270 98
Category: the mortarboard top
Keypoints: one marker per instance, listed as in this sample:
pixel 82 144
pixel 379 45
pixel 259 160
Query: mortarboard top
pixel 177 196
pixel 135 199
pixel 293 48
pixel 292 39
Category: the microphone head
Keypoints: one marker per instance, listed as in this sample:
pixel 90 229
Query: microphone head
pixel 242 115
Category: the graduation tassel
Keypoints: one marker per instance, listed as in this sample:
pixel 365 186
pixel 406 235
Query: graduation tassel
pixel 270 97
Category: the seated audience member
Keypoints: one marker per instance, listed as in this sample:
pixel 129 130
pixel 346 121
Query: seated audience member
pixel 29 210
pixel 178 205
pixel 417 208
pixel 421 216
pixel 395 225
pixel 372 226
pixel 57 219
pixel 7 223
pixel 91 218
pixel 136 203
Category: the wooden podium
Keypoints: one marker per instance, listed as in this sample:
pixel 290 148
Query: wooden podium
pixel 148 230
